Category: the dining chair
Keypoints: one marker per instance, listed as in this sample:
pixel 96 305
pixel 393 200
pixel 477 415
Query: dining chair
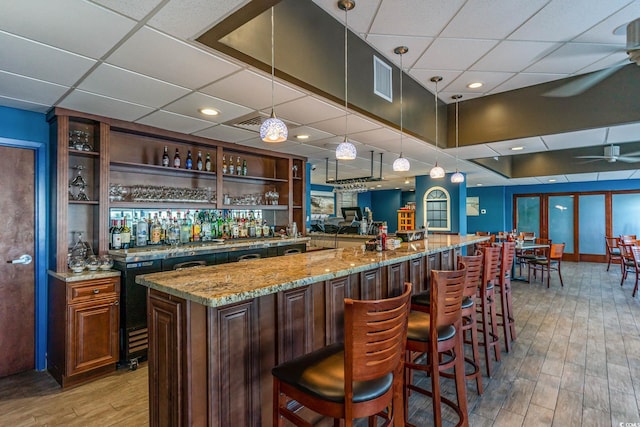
pixel 635 252
pixel 552 261
pixel 613 251
pixel 438 333
pixel 362 377
pixel 525 256
pixel 629 262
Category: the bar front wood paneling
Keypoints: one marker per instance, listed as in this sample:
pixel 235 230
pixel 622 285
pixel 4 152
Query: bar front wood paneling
pixel 210 363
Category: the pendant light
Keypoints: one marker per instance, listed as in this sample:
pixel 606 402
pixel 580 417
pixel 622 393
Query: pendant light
pixel 401 164
pixel 436 172
pixel 273 129
pixel 457 178
pixel 346 150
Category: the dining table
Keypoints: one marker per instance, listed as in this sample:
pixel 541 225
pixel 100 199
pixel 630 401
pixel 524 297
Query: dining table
pixel 522 248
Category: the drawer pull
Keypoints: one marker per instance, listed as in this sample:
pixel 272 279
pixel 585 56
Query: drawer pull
pixel 96 291
pixel 116 303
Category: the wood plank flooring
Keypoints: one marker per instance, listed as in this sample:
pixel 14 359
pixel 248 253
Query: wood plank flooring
pixel 576 363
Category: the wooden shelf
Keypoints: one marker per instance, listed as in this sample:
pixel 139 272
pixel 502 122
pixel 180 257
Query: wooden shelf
pixel 248 178
pixel 83 153
pixel 84 202
pixel 158 170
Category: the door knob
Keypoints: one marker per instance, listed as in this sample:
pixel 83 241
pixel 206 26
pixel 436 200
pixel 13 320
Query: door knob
pixel 24 259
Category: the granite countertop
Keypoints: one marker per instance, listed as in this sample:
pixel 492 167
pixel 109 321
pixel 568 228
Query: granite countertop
pixel 147 253
pixel 85 275
pixel 224 284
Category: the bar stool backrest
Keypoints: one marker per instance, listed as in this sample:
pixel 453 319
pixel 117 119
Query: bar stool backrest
pixel 507 254
pixel 473 264
pixel 446 298
pixel 490 265
pixel 375 335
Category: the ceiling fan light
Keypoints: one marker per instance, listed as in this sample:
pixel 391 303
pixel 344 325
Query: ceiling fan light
pixel 346 150
pixel 401 164
pixel 273 129
pixel 436 172
pixel 457 178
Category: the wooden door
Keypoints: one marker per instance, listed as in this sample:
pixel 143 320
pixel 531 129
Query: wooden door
pixel 17 281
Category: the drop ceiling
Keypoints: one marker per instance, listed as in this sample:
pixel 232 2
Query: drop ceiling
pixel 139 61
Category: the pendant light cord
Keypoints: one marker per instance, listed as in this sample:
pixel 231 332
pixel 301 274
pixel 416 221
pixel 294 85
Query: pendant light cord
pixel 436 102
pixel 346 68
pixel 272 60
pixel 457 134
pixel 401 127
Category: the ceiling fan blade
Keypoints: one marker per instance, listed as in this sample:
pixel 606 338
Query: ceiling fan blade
pixel 591 157
pixel 628 159
pixel 583 83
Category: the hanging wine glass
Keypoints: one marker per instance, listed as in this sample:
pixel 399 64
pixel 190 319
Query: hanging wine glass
pixel 80 184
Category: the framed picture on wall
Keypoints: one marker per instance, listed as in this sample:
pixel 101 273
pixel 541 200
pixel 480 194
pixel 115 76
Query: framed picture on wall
pixel 473 206
pixel 322 202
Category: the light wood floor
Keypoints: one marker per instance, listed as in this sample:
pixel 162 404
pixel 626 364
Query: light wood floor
pixel 576 362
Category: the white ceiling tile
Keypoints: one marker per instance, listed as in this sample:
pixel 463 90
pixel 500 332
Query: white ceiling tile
pixel 22 56
pixel 475 152
pixel 571 57
pixel 308 110
pixel 386 44
pixel 360 17
pixel 624 133
pixel 552 179
pixel 615 59
pixel 491 19
pixel 122 84
pixel 378 135
pixel 583 138
pixel 191 104
pixel 531 145
pixel 467 51
pixel 513 56
pixel 606 176
pixel 414 17
pixel 355 124
pixel 446 95
pixel 78 26
pixel 521 80
pixel 562 20
pixel 226 133
pixel 24 105
pixel 30 90
pixel 175 122
pixel 189 18
pixel 423 76
pixel 489 79
pixel 158 55
pixel 133 9
pixel 581 177
pixel 255 93
pixel 103 106
pixel 312 133
pixel 604 31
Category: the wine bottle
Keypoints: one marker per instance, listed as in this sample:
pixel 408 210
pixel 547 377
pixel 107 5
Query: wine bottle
pixel 207 163
pixel 199 161
pixel 224 164
pixel 165 157
pixel 244 167
pixel 231 166
pixel 176 159
pixel 189 163
pixel 116 237
pixel 125 235
pixel 238 166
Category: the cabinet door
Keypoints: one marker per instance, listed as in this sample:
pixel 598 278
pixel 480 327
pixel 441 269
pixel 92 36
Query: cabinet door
pixel 417 274
pixel 336 290
pixel 93 334
pixel 371 284
pixel 396 276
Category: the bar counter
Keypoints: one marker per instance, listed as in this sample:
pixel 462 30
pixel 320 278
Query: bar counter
pixel 215 332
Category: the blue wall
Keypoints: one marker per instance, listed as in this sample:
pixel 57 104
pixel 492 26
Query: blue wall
pixel 458 194
pixel 23 125
pixel 492 200
pixel 385 205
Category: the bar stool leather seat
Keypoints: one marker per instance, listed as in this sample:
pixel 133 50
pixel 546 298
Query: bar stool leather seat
pixel 419 326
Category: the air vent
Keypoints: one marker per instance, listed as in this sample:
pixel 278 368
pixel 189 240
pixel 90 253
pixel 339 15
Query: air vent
pixel 382 79
pixel 253 122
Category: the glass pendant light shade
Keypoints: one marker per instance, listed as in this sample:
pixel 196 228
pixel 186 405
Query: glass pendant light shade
pixel 273 129
pixel 436 172
pixel 457 178
pixel 346 150
pixel 401 164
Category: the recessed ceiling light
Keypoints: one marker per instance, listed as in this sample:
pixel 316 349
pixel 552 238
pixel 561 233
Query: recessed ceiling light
pixel 475 85
pixel 379 185
pixel 397 188
pixel 478 185
pixel 520 148
pixel 406 181
pixel 302 136
pixel 552 180
pixel 209 111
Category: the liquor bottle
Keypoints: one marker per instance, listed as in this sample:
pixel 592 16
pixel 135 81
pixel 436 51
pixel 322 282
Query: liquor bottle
pixel 165 157
pixel 244 167
pixel 231 166
pixel 185 231
pixel 238 166
pixel 156 231
pixel 176 159
pixel 196 227
pixel 116 237
pixel 207 163
pixel 199 161
pixel 125 234
pixel 173 232
pixel 224 164
pixel 142 232
pixel 189 163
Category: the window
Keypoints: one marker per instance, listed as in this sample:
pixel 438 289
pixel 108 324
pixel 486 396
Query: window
pixel 437 207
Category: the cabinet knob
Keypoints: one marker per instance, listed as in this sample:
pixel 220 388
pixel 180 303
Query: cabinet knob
pixel 116 302
pixel 96 291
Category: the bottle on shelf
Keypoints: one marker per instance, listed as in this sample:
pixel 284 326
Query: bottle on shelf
pixel 165 157
pixel 244 167
pixel 231 166
pixel 185 230
pixel 196 227
pixel 199 161
pixel 156 231
pixel 207 163
pixel 188 164
pixel 173 232
pixel 142 232
pixel 125 234
pixel 224 164
pixel 116 236
pixel 176 159
pixel 238 166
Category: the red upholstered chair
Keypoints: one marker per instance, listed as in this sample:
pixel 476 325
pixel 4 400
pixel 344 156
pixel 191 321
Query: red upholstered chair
pixel 360 378
pixel 505 315
pixel 438 333
pixel 487 322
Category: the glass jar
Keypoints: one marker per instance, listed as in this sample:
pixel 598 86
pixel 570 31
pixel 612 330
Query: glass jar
pixel 77 264
pixel 106 262
pixel 93 263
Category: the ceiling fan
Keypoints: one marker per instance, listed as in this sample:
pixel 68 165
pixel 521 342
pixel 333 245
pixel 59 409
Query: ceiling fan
pixel 612 155
pixel 583 83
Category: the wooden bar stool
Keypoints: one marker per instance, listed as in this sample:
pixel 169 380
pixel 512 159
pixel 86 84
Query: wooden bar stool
pixel 488 322
pixel 360 378
pixel 439 335
pixel 507 255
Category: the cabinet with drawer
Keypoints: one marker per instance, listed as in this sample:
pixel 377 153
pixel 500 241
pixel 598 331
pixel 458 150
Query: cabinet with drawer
pixel 83 328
